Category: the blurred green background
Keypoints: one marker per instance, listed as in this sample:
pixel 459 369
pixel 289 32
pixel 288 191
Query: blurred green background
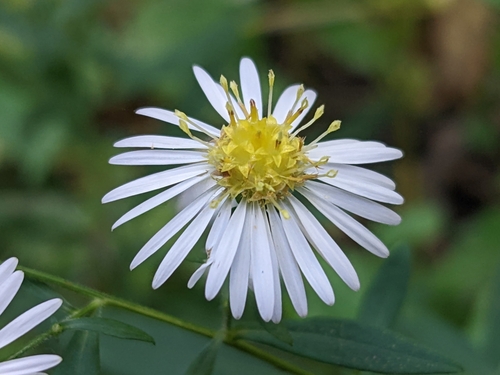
pixel 420 75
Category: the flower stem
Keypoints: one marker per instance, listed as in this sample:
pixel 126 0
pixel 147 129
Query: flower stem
pixel 34 343
pixel 103 299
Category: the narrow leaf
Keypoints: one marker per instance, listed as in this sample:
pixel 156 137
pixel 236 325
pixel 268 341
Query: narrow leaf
pixel 108 327
pixel 81 356
pixel 204 363
pixel 279 331
pixel 350 344
pixel 386 294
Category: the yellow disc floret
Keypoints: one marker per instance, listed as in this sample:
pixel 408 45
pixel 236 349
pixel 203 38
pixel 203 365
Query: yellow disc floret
pixel 258 158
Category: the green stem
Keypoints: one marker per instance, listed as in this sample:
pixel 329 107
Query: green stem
pixel 102 299
pixel 109 300
pixel 34 343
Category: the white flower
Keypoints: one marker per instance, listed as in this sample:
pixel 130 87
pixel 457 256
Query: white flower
pixel 10 282
pixel 244 180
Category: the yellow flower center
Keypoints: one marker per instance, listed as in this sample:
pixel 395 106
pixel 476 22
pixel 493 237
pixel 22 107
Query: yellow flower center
pixel 257 158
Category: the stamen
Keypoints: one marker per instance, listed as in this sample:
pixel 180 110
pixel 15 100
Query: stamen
pixel 330 174
pixel 223 82
pixel 185 128
pixel 300 92
pixel 284 212
pixel 270 98
pixel 334 126
pixel 319 112
pixel 234 89
pixel 183 116
pixel 254 113
pixel 291 118
pixel 230 110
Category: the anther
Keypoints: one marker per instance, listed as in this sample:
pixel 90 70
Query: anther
pixel 183 116
pixel 254 113
pixel 292 117
pixel 334 126
pixel 270 97
pixel 319 112
pixel 234 89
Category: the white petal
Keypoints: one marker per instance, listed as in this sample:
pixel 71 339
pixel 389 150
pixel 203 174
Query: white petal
pixel 344 145
pixel 308 263
pixel 284 103
pixel 29 365
pixel 288 265
pixel 28 321
pixel 171 118
pixel 348 225
pixel 9 289
pixel 311 98
pixel 159 199
pixel 334 143
pixel 7 268
pixel 212 91
pixel 360 206
pixel 183 246
pixel 240 271
pixel 198 274
pixel 171 228
pixel 190 194
pixel 159 141
pixel 357 153
pixel 158 157
pixel 352 172
pixel 278 308
pixel 156 181
pixel 367 190
pixel 219 226
pixel 250 84
pixel 324 243
pixel 261 265
pixel 225 251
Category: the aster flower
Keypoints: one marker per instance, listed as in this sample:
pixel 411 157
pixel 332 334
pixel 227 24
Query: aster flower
pixel 10 282
pixel 243 182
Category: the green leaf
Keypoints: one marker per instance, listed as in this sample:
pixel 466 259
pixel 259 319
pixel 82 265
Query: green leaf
pixel 205 361
pixel 350 344
pixel 279 331
pixel 81 356
pixel 492 342
pixel 109 327
pixel 386 294
pixel 45 292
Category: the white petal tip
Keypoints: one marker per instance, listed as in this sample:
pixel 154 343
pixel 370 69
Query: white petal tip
pixel 302 314
pixel 141 111
pixel 237 315
pixel 383 254
pixel 355 286
pixel 209 296
pixel 134 264
pixel 266 318
pixel 56 303
pixel 11 262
